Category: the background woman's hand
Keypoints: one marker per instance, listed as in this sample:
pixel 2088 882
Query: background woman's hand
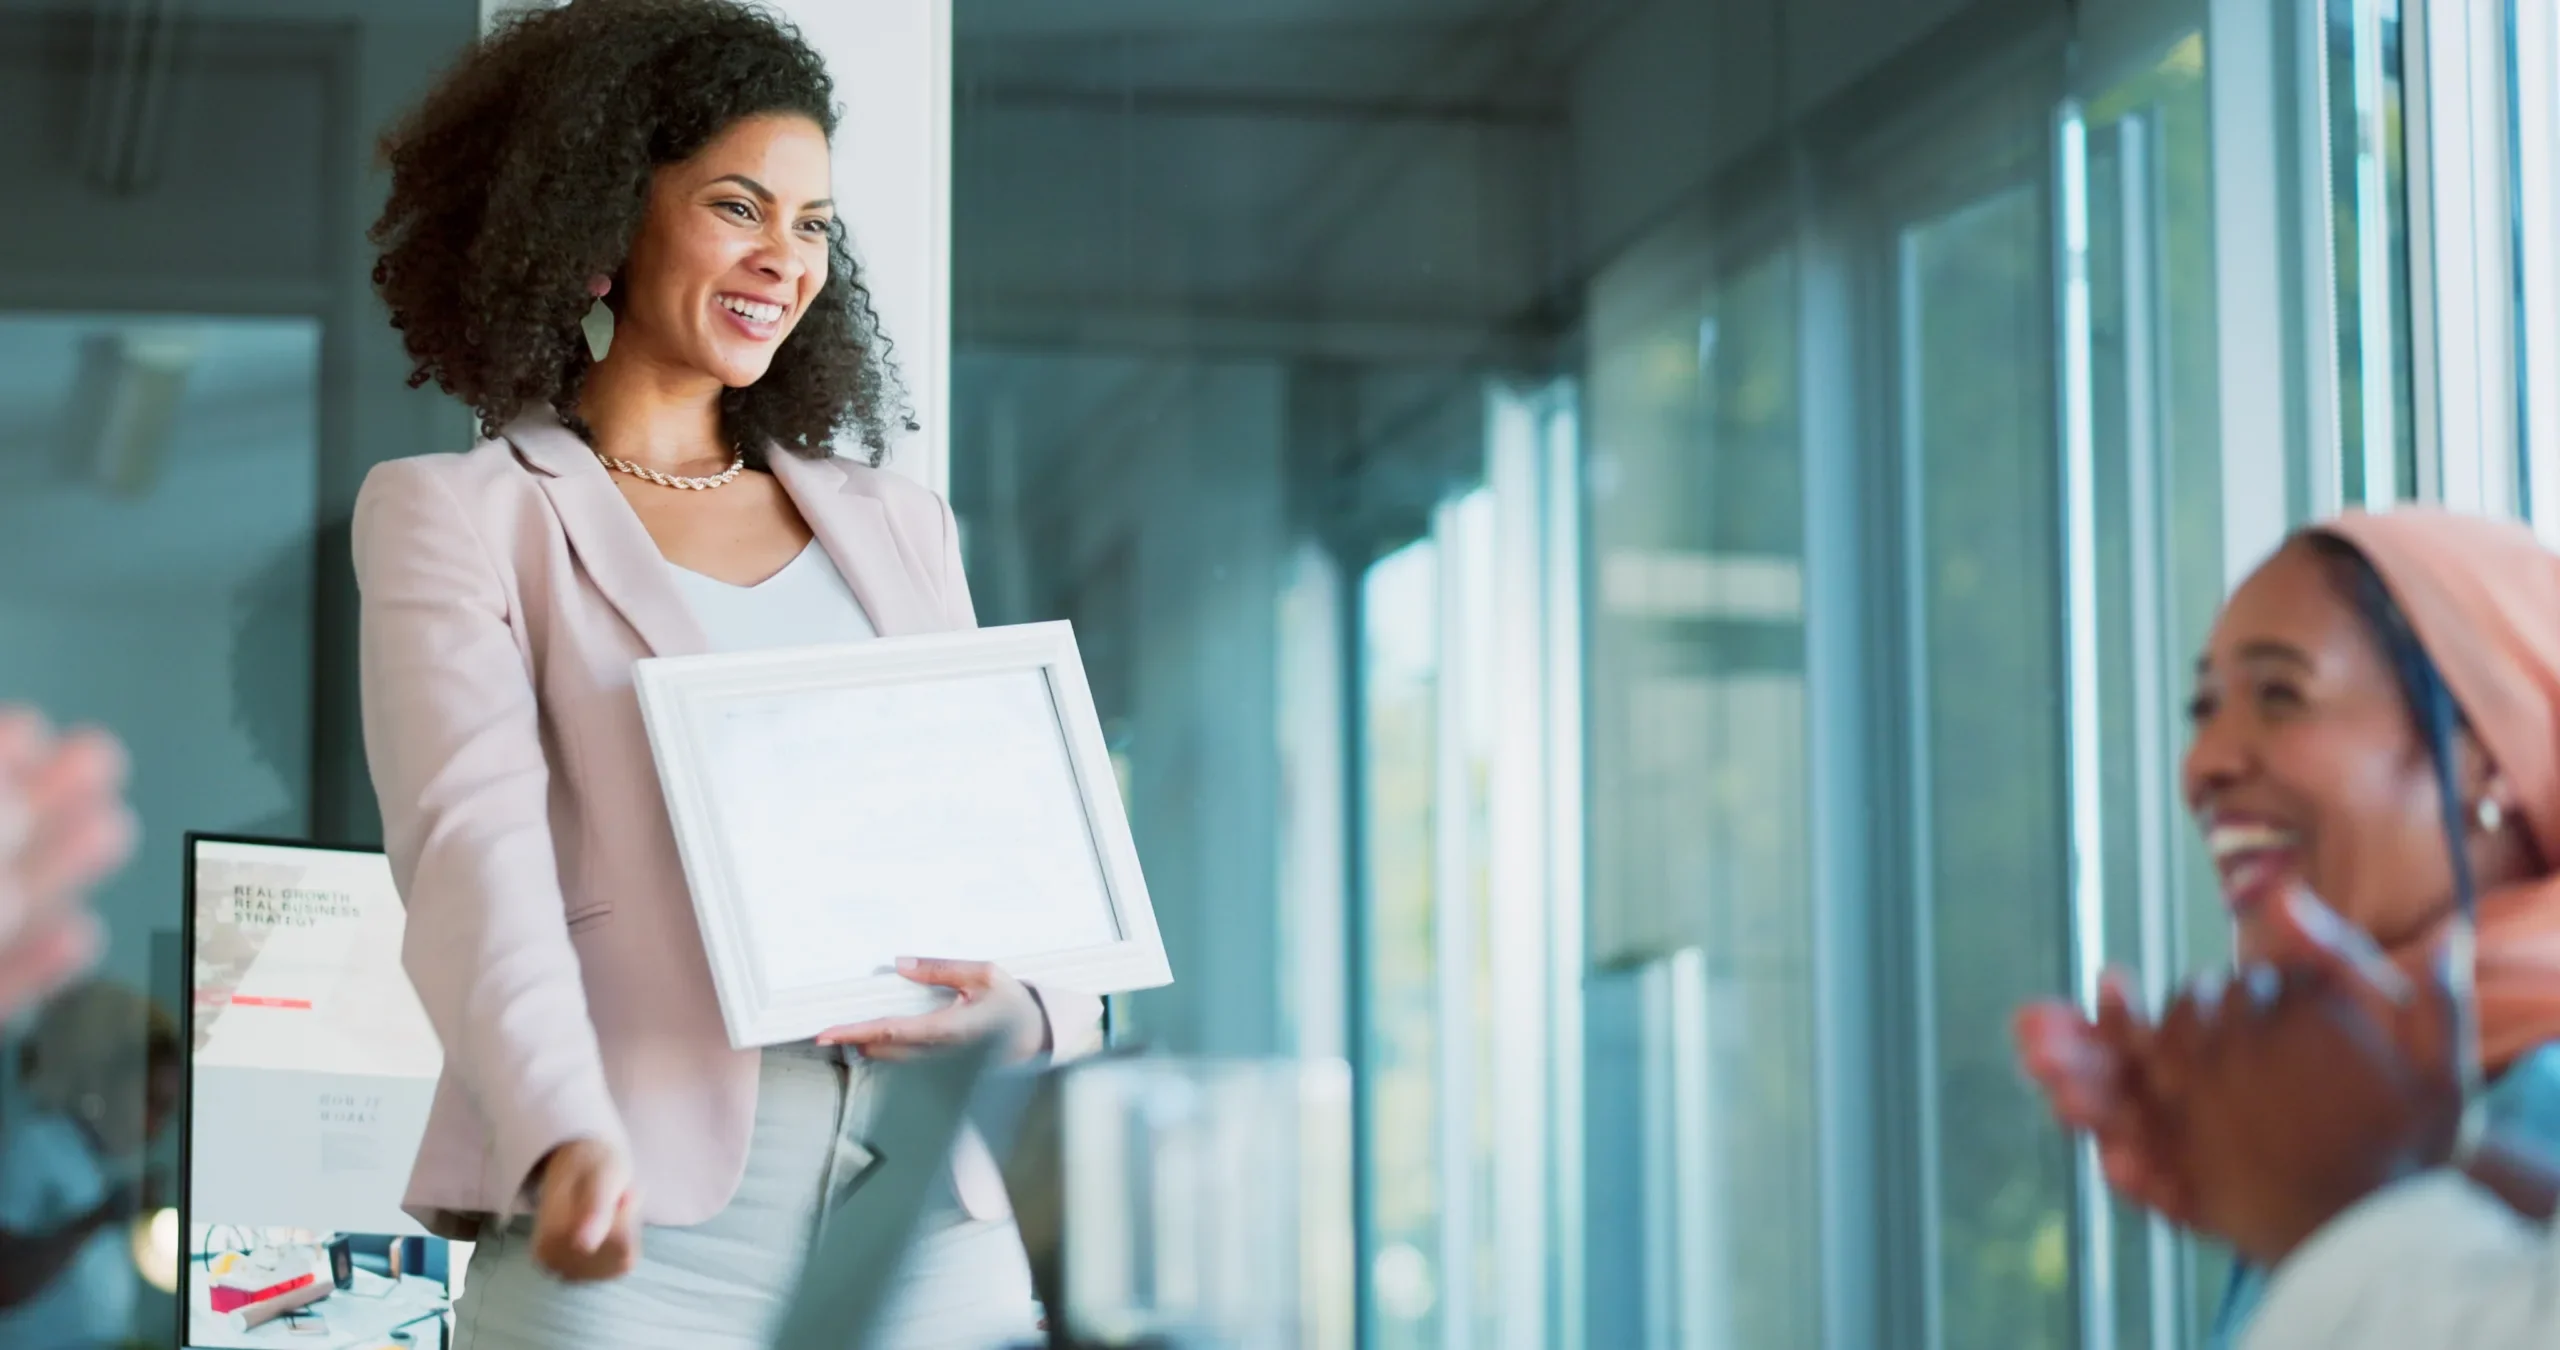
pixel 2294 1092
pixel 991 1003
pixel 64 828
pixel 586 1225
pixel 2094 1076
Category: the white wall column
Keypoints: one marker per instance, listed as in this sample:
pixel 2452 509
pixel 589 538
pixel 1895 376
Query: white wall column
pixel 892 64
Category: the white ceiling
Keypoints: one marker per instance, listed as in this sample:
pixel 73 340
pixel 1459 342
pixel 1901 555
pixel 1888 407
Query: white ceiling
pixel 1049 18
pixel 284 11
pixel 1403 50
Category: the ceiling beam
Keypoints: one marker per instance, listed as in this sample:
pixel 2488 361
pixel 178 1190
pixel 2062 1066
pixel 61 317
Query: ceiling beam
pixel 1260 106
pixel 1203 334
pixel 1086 18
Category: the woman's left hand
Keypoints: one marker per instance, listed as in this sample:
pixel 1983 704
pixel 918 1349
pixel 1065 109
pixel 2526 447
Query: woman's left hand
pixel 2296 1092
pixel 991 1004
pixel 2095 1077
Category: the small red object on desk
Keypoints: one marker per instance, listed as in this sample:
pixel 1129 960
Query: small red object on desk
pixel 232 1298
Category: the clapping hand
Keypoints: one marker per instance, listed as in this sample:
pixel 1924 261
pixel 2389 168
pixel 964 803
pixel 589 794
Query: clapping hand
pixel 2265 1103
pixel 2304 1085
pixel 990 1003
pixel 2096 1077
pixel 64 828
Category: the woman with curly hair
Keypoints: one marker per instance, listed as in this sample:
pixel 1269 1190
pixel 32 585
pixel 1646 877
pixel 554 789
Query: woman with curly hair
pixel 678 485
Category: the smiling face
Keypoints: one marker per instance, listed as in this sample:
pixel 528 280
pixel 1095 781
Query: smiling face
pixel 731 253
pixel 2307 768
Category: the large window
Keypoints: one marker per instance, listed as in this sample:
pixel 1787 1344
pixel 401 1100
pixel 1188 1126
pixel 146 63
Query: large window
pixel 2366 115
pixel 1982 578
pixel 1771 477
pixel 1699 793
pixel 2531 43
pixel 1400 621
pixel 1467 1039
pixel 165 489
pixel 2153 464
pixel 1996 339
pixel 1763 466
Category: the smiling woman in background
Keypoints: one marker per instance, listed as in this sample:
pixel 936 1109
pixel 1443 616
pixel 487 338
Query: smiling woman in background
pixel 660 169
pixel 2314 769
pixel 2314 1126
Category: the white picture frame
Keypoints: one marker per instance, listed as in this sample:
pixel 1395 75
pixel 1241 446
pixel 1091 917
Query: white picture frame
pixel 941 796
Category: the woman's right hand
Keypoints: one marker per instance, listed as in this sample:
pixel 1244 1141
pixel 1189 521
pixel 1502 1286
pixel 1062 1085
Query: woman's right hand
pixel 586 1225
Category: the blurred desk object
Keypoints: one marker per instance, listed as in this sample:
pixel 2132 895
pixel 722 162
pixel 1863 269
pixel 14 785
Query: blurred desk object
pixel 369 1315
pixel 1180 1204
pixel 850 1271
pixel 390 1256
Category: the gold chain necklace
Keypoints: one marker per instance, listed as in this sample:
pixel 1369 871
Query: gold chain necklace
pixel 642 471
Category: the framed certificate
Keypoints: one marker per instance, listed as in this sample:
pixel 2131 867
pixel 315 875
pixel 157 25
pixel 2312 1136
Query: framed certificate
pixel 945 796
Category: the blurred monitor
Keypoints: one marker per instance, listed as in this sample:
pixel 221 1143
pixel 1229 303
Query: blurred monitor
pixel 310 1067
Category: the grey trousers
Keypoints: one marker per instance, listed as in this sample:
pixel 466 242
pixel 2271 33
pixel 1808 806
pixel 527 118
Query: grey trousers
pixel 721 1285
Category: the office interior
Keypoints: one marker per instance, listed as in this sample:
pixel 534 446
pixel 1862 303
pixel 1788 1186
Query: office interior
pixel 1638 558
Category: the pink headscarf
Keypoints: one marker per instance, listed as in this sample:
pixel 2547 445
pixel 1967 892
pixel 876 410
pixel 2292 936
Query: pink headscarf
pixel 2483 597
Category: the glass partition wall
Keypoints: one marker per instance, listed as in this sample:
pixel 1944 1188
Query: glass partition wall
pixel 1642 559
pixel 2032 376
pixel 194 377
pixel 1638 558
pixel 1703 1119
pixel 2523 142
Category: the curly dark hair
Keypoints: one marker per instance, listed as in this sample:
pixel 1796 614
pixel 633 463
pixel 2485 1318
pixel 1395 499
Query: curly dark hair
pixel 526 172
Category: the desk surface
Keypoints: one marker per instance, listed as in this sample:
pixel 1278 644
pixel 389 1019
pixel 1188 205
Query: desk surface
pixel 353 1321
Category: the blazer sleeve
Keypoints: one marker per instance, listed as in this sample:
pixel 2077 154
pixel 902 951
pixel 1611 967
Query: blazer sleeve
pixel 1075 1020
pixel 2433 1262
pixel 453 735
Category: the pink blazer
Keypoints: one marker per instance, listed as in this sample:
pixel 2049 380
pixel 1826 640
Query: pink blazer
pixel 506 594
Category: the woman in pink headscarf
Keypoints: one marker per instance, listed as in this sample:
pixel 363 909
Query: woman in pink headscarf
pixel 2377 724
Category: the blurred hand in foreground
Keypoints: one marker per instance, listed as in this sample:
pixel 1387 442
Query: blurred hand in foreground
pixel 64 828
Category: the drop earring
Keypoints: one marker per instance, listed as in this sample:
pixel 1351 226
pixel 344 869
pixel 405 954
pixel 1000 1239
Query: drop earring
pixel 598 324
pixel 2490 816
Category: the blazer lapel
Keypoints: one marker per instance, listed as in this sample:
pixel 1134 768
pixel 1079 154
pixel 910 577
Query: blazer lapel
pixel 853 527
pixel 606 535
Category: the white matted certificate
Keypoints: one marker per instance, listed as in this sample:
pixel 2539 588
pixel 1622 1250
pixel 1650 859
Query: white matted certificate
pixel 946 796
